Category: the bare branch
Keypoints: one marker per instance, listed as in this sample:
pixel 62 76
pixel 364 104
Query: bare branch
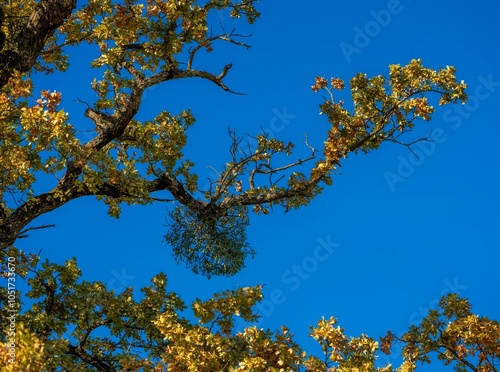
pixel 410 144
pixel 37 228
pixel 285 167
pixel 224 37
pixel 306 141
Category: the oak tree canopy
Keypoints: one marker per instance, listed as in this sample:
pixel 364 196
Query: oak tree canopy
pixel 137 45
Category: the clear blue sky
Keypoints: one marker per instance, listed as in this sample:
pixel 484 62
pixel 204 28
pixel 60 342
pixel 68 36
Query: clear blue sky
pixel 392 248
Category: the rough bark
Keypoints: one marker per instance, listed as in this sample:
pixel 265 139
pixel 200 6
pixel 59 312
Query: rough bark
pixel 91 360
pixel 11 227
pixel 46 17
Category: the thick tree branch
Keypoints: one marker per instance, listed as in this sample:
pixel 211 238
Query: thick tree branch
pixel 11 226
pixel 268 197
pixel 46 17
pixel 175 73
pixel 112 128
pixel 80 353
pixel 462 360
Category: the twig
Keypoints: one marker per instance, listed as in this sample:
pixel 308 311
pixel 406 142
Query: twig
pixel 21 233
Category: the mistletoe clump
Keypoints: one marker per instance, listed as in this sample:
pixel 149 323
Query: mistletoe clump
pixel 211 241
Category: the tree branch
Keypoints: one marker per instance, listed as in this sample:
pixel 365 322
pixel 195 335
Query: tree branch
pixel 46 17
pixel 89 359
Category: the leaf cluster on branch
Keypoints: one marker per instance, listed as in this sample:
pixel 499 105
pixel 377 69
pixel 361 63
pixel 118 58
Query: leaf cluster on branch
pixel 454 334
pixel 138 45
pixel 76 325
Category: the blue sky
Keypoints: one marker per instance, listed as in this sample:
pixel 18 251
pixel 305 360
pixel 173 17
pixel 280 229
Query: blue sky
pixel 373 252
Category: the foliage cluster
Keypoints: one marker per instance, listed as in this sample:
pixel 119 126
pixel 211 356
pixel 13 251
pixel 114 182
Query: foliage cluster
pixel 77 325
